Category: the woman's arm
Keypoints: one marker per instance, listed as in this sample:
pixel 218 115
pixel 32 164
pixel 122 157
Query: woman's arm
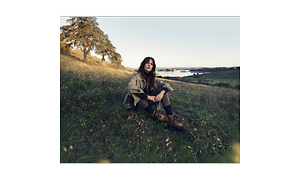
pixel 164 86
pixel 159 96
pixel 152 98
pixel 133 88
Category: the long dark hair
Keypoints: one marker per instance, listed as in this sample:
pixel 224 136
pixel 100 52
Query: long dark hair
pixel 151 76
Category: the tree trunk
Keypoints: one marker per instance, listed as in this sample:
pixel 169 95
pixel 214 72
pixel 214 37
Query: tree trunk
pixel 84 54
pixel 84 49
pixel 103 57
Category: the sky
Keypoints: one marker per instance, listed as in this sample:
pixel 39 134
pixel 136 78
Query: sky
pixel 174 41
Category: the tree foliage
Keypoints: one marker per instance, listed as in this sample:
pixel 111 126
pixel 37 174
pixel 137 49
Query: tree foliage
pixel 84 33
pixel 65 48
pixel 105 48
pixel 115 58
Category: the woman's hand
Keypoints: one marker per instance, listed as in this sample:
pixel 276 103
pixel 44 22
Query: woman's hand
pixel 159 96
pixel 151 98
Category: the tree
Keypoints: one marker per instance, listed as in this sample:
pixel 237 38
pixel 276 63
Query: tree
pixel 83 32
pixel 115 58
pixel 105 48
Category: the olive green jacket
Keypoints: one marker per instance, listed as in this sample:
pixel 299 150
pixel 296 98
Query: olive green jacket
pixel 137 84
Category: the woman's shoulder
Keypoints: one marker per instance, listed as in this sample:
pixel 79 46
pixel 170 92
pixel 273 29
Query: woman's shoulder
pixel 136 74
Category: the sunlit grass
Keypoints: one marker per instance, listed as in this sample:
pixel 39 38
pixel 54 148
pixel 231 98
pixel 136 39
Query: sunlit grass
pixel 95 127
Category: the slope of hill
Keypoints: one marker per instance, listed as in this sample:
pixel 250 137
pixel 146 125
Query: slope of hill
pixel 95 127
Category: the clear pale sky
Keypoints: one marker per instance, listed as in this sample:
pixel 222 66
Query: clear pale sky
pixel 174 41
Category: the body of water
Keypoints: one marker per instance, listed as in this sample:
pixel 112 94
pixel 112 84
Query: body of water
pixel 176 73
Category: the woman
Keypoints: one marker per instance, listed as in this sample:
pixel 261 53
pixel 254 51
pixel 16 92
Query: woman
pixel 146 91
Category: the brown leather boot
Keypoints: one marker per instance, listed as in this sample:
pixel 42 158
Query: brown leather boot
pixel 172 122
pixel 160 117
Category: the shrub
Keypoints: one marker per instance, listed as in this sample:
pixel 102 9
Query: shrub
pixel 179 78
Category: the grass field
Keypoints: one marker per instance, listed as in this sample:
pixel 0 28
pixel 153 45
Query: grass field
pixel 229 79
pixel 95 127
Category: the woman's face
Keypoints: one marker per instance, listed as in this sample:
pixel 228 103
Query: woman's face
pixel 148 66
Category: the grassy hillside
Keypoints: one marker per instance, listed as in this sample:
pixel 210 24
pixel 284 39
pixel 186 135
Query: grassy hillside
pixel 230 79
pixel 95 127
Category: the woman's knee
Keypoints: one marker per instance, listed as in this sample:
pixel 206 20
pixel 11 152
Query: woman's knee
pixel 144 103
pixel 165 100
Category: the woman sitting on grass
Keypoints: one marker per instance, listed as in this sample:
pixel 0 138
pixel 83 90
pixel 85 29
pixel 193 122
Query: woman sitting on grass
pixel 146 91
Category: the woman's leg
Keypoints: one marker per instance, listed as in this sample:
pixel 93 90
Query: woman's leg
pixel 147 105
pixel 172 119
pixel 166 104
pixel 165 101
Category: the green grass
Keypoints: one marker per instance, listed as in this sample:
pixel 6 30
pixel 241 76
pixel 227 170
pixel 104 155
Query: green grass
pixel 94 122
pixel 229 79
